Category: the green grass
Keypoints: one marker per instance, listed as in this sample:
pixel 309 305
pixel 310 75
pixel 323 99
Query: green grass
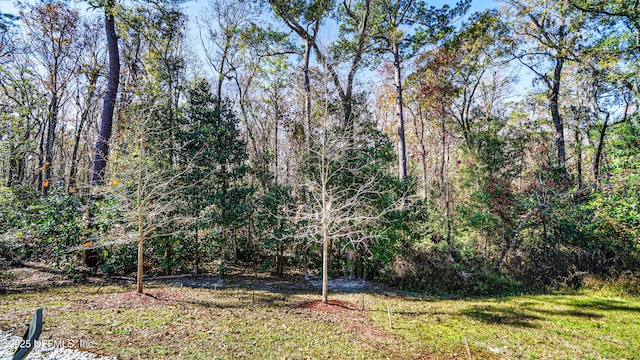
pixel 586 326
pixel 229 323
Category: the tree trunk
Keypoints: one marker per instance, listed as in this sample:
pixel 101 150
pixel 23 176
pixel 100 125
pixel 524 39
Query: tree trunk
pixel 305 261
pixel 325 264
pixel 51 135
pixel 400 113
pixel 16 166
pixel 558 123
pixel 13 164
pixel 598 155
pixel 347 100
pixel 140 255
pixel 223 60
pixel 325 225
pixel 280 261
pixel 514 239
pixel 364 267
pixel 196 255
pixel 419 133
pixel 578 140
pixel 102 145
pixel 140 222
pixel 445 188
pixel 307 89
pixel 106 125
pixel 275 137
pixel 41 158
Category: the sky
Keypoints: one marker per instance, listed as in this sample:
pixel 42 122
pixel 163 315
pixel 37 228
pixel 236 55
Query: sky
pixel 194 8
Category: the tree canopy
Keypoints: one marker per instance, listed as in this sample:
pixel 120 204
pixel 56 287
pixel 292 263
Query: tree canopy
pixel 425 146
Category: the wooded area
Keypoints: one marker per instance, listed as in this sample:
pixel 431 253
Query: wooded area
pixel 427 147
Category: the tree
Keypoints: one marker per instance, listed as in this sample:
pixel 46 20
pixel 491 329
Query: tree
pixel 225 21
pixel 212 146
pixel 89 74
pixel 480 49
pixel 349 190
pixel 146 194
pixel 628 11
pixel 556 34
pixel 404 28
pixel 276 228
pixel 435 77
pixel 53 28
pixel 22 120
pixel 609 66
pixel 353 43
pixel 108 107
pixel 6 29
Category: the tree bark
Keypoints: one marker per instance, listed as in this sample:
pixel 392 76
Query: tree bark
pixel 41 157
pixel 221 75
pixel 51 135
pixel 139 205
pixel 598 155
pixel 578 140
pixel 558 122
pixel 347 101
pixel 106 125
pixel 326 204
pixel 140 253
pixel 400 113
pixel 102 145
pixel 325 263
pixel 307 89
pixel 419 133
pixel 276 108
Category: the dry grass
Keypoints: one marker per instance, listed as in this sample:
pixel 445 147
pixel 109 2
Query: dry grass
pixel 169 322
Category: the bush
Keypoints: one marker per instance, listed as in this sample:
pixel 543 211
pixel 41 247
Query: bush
pixel 57 222
pixel 119 259
pixel 39 228
pixel 430 270
pixel 14 202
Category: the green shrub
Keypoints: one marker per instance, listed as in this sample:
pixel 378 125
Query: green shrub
pixel 119 259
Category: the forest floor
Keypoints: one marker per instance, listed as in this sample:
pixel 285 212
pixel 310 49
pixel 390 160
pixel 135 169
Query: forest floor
pixel 260 316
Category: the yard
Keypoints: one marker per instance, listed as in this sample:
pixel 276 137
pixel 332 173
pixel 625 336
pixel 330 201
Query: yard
pixel 259 316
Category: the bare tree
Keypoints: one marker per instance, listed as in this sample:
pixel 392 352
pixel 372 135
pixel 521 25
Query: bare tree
pixel 91 66
pixel 145 194
pixel 223 23
pixel 352 47
pixel 348 196
pixel 52 29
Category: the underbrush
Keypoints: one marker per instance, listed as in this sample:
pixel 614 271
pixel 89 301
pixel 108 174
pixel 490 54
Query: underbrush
pixel 626 284
pixel 431 272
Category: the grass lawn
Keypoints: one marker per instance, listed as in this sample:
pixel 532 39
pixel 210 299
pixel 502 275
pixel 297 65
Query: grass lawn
pixel 586 326
pixel 275 319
